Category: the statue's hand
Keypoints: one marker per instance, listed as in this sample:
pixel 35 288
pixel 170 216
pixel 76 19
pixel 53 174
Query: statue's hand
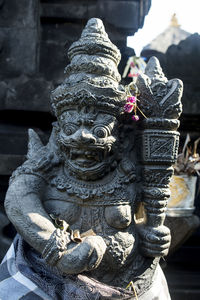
pixel 82 257
pixel 155 241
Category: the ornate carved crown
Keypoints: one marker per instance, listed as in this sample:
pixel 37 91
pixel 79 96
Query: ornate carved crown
pixel 92 77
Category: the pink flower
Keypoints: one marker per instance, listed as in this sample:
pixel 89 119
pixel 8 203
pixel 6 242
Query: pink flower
pixel 128 107
pixel 133 75
pixel 131 99
pixel 135 118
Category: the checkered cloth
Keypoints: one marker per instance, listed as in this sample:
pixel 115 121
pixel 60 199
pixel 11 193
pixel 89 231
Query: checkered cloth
pixel 25 275
pixel 13 284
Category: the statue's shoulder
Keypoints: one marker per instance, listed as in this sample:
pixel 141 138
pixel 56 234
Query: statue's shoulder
pixel 42 160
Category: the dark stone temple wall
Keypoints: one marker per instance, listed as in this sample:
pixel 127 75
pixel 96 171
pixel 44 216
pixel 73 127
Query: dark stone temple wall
pixel 182 61
pixel 34 38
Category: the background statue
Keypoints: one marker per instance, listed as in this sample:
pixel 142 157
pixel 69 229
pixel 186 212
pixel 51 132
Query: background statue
pixel 74 202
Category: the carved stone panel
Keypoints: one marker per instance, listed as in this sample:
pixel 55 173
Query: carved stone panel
pixel 160 146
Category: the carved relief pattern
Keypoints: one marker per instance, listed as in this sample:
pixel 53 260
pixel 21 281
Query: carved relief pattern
pixel 64 98
pixel 159 98
pixel 113 192
pixel 160 146
pixel 93 68
pixel 159 177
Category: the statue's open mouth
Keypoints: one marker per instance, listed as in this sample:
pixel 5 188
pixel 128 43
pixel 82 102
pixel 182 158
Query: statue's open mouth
pixel 86 158
pixel 90 162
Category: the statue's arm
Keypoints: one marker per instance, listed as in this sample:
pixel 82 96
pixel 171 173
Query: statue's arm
pixel 25 210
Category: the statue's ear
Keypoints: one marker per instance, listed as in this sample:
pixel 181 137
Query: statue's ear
pixel 34 143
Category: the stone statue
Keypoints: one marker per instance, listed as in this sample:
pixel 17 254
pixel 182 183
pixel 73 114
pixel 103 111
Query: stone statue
pixel 74 202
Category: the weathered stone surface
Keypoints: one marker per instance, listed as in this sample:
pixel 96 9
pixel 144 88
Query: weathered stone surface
pixel 19 38
pixel 22 57
pixel 13 139
pixel 187 53
pixel 78 194
pixel 3 91
pixel 9 162
pixel 11 13
pixel 26 94
pixel 122 13
pixel 182 61
pixel 69 10
pixel 127 16
pixel 181 229
pixel 13 146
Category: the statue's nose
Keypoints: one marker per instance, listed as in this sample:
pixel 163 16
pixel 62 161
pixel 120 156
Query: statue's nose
pixel 85 136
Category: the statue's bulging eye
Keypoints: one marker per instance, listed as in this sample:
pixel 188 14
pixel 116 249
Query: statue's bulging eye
pixel 100 132
pixel 69 129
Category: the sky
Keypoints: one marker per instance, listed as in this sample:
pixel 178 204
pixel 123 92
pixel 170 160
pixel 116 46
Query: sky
pixel 158 19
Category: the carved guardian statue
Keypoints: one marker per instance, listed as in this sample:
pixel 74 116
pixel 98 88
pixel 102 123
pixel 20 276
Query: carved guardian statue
pixel 74 202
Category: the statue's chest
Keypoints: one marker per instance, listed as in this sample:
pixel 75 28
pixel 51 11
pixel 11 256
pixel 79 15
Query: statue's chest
pixel 65 207
pixel 91 205
pixel 87 214
pixel 106 208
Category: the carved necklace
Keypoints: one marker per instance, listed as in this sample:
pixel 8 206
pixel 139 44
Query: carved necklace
pixel 113 191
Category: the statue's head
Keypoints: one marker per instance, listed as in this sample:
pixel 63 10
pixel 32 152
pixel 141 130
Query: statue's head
pixel 89 104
